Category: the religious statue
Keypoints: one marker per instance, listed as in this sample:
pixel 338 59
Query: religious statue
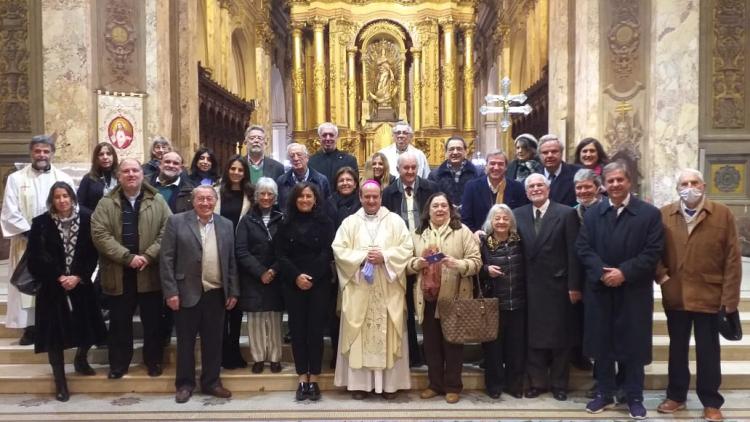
pixel 624 135
pixel 386 86
pixel 383 60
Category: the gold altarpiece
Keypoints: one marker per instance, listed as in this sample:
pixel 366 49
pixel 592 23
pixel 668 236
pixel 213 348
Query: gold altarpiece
pixel 365 65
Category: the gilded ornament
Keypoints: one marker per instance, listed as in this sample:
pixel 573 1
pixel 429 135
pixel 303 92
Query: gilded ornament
pixel 727 179
pixel 14 67
pixel 728 67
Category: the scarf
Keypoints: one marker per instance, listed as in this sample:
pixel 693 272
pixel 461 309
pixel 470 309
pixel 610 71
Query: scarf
pixel 68 228
pixel 431 276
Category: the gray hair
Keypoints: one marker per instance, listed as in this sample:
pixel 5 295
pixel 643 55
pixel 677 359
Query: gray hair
pixel 405 155
pixel 254 127
pixel 402 123
pixel 535 176
pixel 526 140
pixel 616 166
pixel 43 139
pixel 499 208
pixel 496 152
pixel 550 138
pixel 328 125
pixel 583 175
pixel 204 187
pixel 160 140
pixel 689 172
pixel 265 184
pixel 297 144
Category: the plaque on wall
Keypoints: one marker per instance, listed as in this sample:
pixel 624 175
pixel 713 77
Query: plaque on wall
pixel 727 177
pixel 120 122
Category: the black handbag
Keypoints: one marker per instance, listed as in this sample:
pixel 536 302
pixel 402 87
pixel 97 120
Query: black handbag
pixel 22 278
pixel 730 326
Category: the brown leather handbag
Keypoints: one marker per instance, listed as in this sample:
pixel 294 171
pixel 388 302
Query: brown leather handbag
pixel 474 320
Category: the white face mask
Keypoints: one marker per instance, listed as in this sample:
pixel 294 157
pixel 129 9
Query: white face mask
pixel 691 196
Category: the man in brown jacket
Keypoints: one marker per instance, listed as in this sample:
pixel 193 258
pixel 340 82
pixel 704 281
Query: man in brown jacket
pixel 700 272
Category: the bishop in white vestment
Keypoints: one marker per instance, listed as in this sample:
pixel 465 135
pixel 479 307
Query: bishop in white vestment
pixel 371 249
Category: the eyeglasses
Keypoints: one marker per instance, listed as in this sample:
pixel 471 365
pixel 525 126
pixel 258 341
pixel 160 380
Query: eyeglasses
pixel 255 138
pixel 402 132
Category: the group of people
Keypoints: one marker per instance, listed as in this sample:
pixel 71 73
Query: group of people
pixel 570 253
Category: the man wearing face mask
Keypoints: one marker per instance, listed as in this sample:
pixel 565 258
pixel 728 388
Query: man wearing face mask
pixel 700 273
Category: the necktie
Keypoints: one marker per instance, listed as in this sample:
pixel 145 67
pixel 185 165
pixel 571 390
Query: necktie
pixel 408 190
pixel 552 177
pixel 538 221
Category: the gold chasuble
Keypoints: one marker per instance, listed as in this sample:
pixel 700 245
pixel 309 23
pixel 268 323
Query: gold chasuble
pixel 373 349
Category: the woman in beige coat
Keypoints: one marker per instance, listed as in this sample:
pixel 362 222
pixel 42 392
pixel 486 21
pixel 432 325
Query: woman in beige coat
pixel 442 234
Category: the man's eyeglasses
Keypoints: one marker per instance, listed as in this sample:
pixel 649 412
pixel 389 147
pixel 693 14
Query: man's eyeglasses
pixel 402 132
pixel 255 138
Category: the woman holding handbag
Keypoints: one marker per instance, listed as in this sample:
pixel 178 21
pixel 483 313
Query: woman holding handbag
pixel 446 258
pixel 62 257
pixel 503 276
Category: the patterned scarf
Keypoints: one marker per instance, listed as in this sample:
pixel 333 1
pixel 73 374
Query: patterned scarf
pixel 431 276
pixel 68 228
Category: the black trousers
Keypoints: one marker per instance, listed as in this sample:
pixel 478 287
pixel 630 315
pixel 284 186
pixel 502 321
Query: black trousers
pixel 548 368
pixel 444 360
pixel 206 319
pixel 632 378
pixel 231 354
pixel 308 312
pixel 707 354
pixel 121 310
pixel 415 356
pixel 505 358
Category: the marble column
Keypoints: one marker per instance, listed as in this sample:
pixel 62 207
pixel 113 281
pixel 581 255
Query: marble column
pixel 187 136
pixel 66 74
pixel 449 74
pixel 298 77
pixel 352 87
pixel 560 58
pixel 158 73
pixel 672 134
pixel 469 77
pixel 416 107
pixel 319 73
pixel 586 96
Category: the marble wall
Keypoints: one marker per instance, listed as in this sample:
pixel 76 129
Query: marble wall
pixel 68 97
pixel 559 63
pixel 158 109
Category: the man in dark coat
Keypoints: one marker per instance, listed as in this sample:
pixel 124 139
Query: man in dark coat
pixel 407 197
pixel 456 170
pixel 560 174
pixel 329 159
pixel 548 233
pixel 301 172
pixel 260 164
pixel 482 193
pixel 619 245
pixel 172 183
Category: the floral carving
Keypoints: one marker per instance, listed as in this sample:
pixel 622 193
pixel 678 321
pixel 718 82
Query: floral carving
pixel 727 179
pixel 120 37
pixel 728 75
pixel 14 67
pixel 624 37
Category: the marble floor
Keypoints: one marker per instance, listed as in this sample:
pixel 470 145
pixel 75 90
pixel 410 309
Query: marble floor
pixel 336 405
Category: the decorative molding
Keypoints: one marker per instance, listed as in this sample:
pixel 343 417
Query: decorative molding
pixel 120 39
pixel 728 64
pixel 624 37
pixel 15 52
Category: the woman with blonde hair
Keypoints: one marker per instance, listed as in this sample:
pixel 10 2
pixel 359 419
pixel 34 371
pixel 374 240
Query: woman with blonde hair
pixel 377 169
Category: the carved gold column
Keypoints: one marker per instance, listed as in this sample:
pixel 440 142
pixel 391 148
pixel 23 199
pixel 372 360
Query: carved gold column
pixel 469 77
pixel 298 77
pixel 449 74
pixel 416 107
pixel 319 73
pixel 352 87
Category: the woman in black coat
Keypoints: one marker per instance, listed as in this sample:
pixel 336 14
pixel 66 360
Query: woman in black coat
pixel 62 258
pixel 260 290
pixel 101 179
pixel 303 249
pixel 204 169
pixel 503 276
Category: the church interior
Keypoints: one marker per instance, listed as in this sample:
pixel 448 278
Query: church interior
pixel 662 84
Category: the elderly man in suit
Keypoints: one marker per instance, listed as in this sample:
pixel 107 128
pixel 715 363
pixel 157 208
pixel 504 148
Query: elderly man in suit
pixel 620 244
pixel 199 280
pixel 261 165
pixel 700 272
pixel 548 233
pixel 560 174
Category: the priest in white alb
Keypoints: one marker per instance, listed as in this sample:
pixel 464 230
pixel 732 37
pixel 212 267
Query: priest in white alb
pixel 26 194
pixel 371 249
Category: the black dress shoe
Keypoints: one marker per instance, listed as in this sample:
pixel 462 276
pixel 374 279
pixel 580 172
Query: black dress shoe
pixel 82 367
pixel 514 393
pixel 183 395
pixel 493 394
pixel 257 368
pixel 560 395
pixel 28 336
pixel 301 393
pixel 115 374
pixel 154 370
pixel 359 395
pixel 61 391
pixel 313 391
pixel 275 367
pixel 534 392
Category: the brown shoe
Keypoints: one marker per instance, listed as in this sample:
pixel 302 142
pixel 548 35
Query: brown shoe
pixel 428 393
pixel 183 395
pixel 670 406
pixel 712 414
pixel 389 396
pixel 452 398
pixel 218 391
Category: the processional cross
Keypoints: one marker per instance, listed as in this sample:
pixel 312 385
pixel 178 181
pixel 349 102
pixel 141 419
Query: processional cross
pixel 507 104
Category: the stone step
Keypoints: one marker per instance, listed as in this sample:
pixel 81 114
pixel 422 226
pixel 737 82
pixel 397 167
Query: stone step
pixel 660 324
pixel 37 378
pixel 12 353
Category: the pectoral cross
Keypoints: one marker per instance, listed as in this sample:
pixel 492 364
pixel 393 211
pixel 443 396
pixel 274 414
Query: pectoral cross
pixel 505 104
